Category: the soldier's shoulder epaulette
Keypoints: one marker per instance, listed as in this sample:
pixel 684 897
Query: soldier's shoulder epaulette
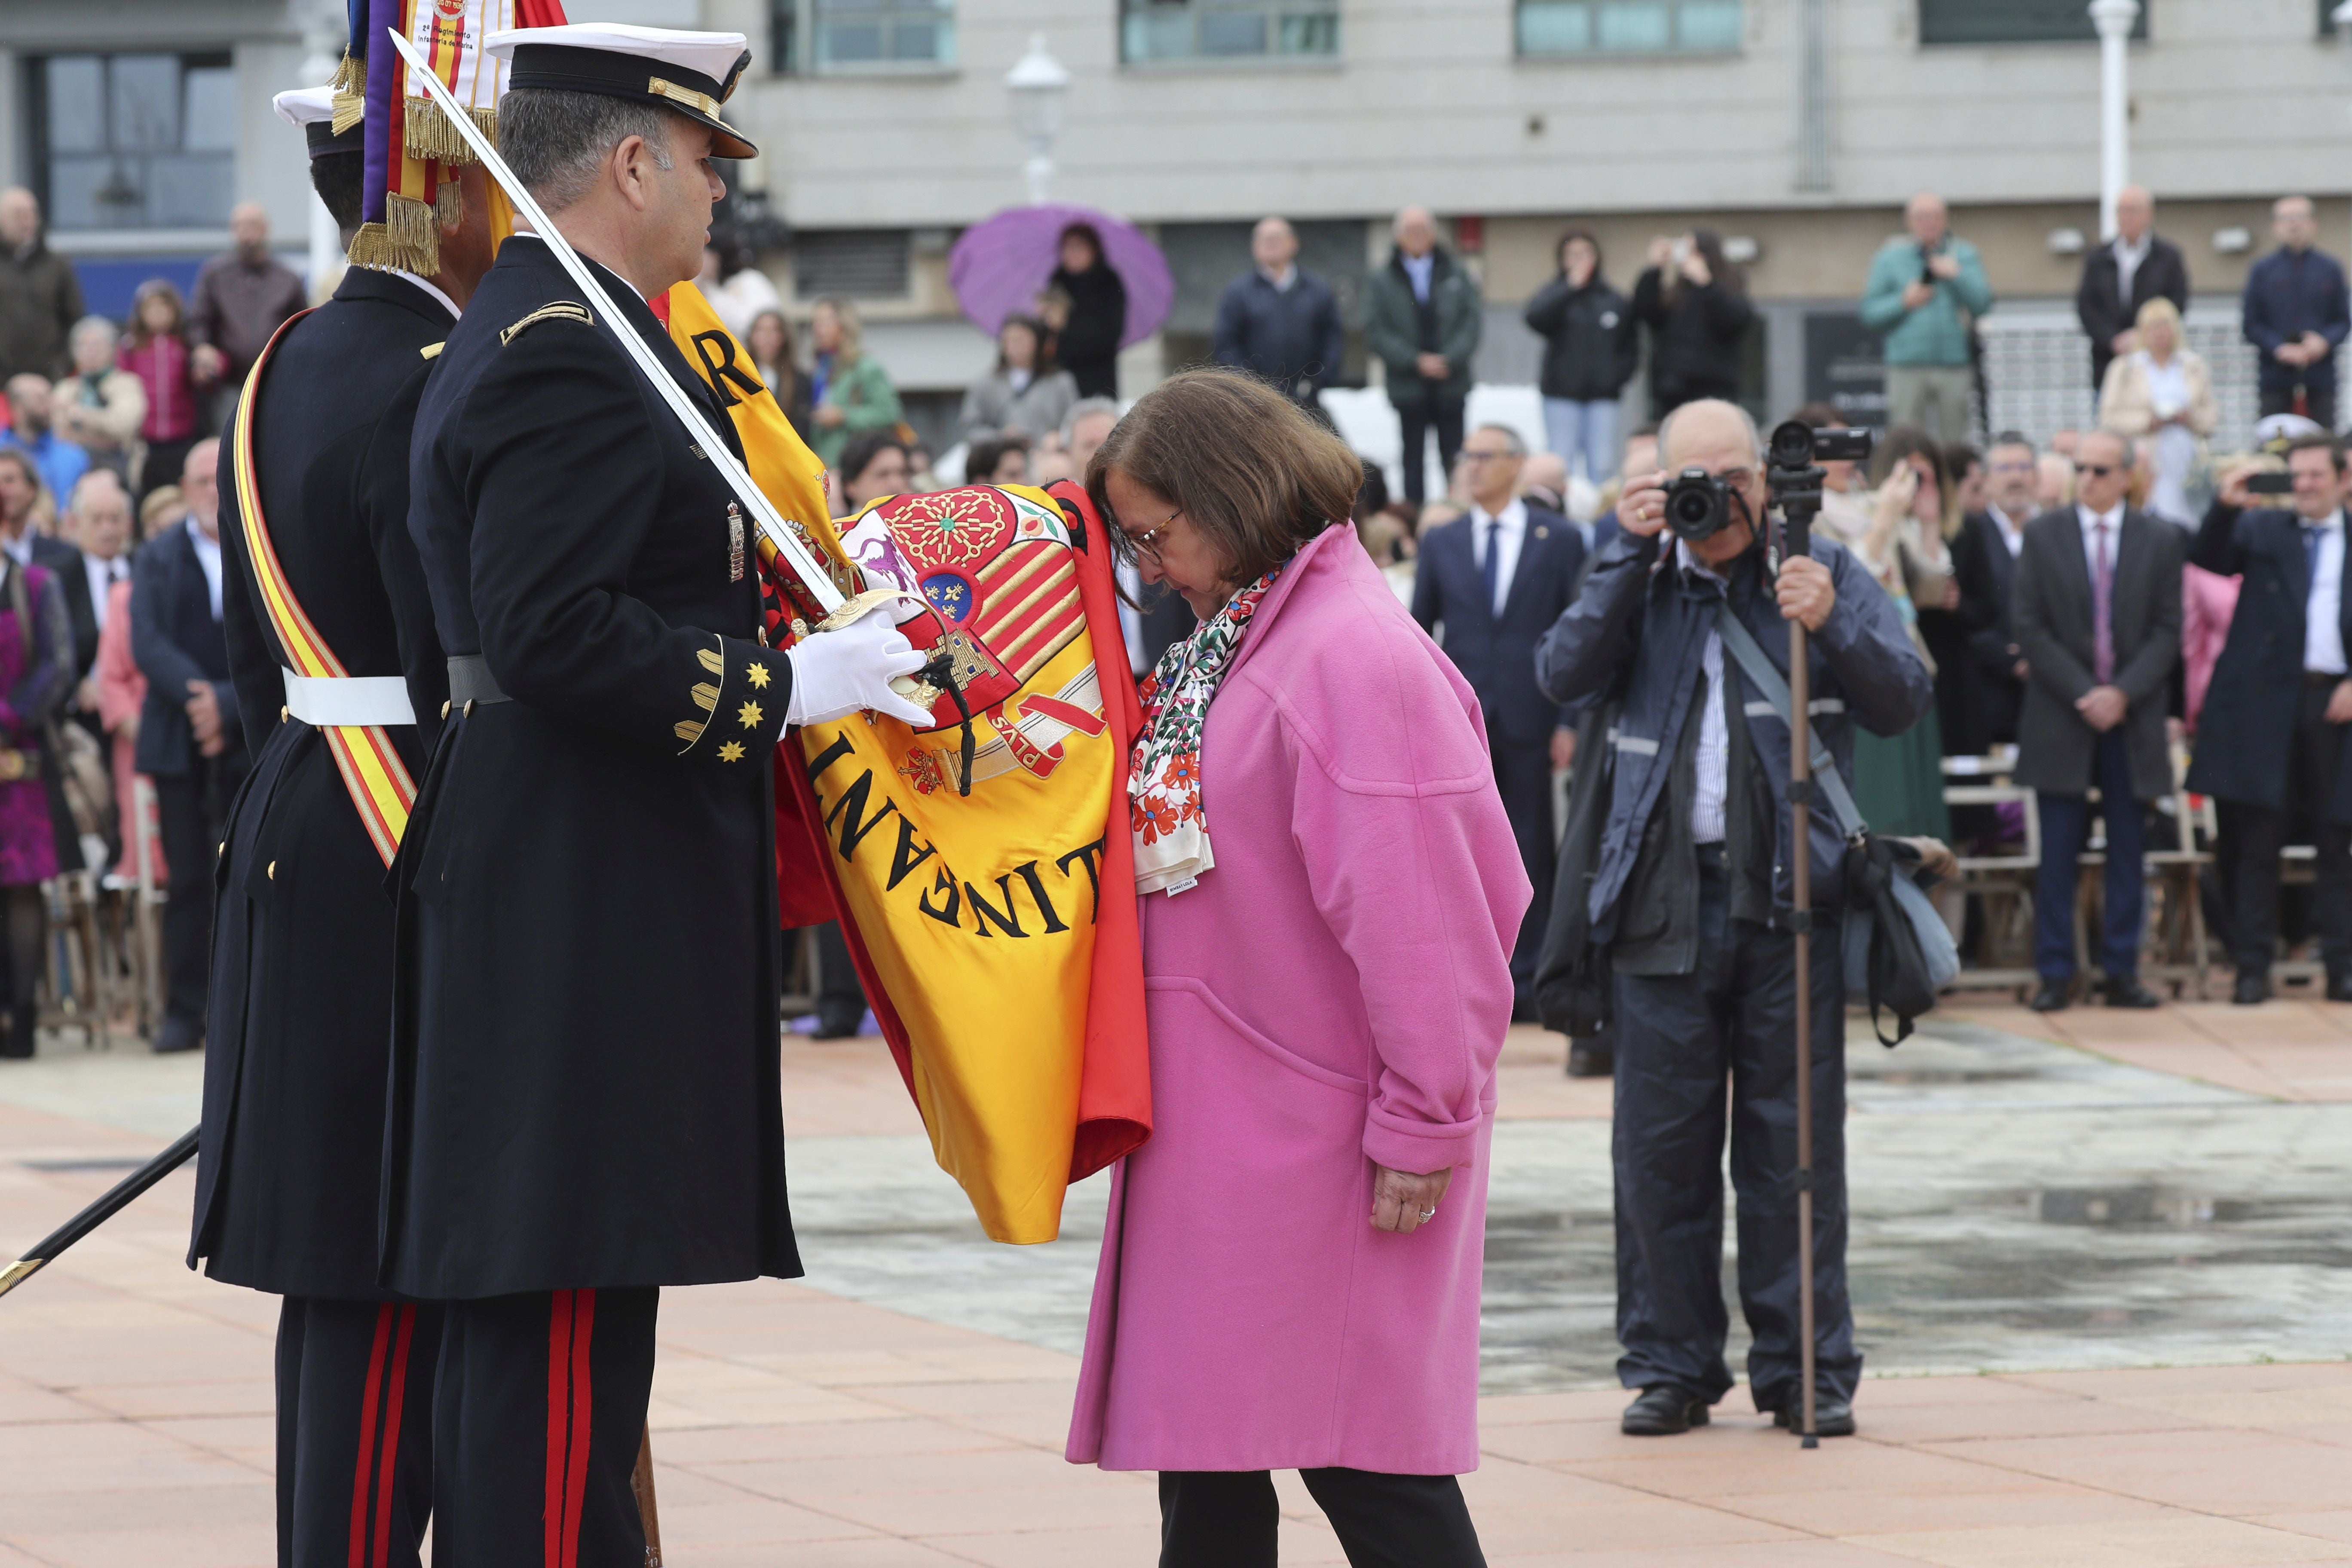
pixel 561 311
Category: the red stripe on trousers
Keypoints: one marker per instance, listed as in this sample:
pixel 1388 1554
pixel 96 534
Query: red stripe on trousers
pixel 559 1419
pixel 584 1405
pixel 395 1396
pixel 359 1554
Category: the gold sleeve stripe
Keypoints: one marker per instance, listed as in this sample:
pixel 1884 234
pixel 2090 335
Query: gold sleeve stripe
pixel 689 730
pixel 705 697
pixel 712 660
pixel 562 311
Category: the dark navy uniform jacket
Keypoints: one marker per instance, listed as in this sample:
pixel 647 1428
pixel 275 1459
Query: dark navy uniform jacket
pixel 298 1041
pixel 585 1085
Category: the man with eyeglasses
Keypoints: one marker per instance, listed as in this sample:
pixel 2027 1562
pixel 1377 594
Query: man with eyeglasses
pixel 2278 714
pixel 1984 560
pixel 2097 618
pixel 1489 585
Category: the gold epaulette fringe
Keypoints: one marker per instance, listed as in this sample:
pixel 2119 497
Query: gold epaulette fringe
pixel 428 133
pixel 351 92
pixel 395 244
pixel 448 205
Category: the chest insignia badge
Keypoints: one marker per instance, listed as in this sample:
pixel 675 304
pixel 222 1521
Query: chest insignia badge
pixel 734 543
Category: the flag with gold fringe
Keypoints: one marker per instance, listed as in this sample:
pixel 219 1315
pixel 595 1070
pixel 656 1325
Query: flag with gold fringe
pixel 982 869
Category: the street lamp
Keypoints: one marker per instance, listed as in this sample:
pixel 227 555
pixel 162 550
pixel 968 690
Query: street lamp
pixel 1038 83
pixel 2342 17
pixel 2114 19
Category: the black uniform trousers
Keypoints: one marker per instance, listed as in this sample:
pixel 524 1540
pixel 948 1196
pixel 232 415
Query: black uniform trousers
pixel 1419 420
pixel 1679 1037
pixel 192 812
pixel 2255 835
pixel 1228 1519
pixel 1523 778
pixel 537 1416
pixel 355 1431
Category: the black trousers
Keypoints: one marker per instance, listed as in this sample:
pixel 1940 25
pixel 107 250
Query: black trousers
pixel 1419 420
pixel 2255 833
pixel 192 812
pixel 1523 778
pixel 1228 1519
pixel 1678 1038
pixel 355 1431
pixel 537 1416
pixel 2319 400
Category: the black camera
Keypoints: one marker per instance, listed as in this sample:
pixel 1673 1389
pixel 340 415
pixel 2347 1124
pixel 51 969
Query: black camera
pixel 1698 505
pixel 1793 470
pixel 2270 484
pixel 1798 445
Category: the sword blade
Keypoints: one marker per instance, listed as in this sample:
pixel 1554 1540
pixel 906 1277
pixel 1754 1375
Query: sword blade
pixel 771 522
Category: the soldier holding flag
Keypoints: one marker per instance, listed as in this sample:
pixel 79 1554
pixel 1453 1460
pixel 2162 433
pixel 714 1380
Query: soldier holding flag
pixel 585 1093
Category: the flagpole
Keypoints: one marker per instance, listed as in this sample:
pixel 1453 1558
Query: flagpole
pixel 772 523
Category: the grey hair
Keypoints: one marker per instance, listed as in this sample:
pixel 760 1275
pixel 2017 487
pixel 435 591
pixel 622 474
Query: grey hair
pixel 1518 446
pixel 74 500
pixel 1746 422
pixel 557 140
pixel 1081 408
pixel 2131 454
pixel 90 325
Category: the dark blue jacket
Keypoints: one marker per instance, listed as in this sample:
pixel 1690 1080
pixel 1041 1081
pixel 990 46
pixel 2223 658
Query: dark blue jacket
pixel 1642 634
pixel 1292 336
pixel 1496 657
pixel 2288 295
pixel 2246 734
pixel 174 640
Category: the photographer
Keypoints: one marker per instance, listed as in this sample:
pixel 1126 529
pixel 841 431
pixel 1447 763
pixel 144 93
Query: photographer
pixel 1692 891
pixel 1925 292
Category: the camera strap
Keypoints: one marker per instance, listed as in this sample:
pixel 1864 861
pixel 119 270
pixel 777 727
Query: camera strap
pixel 1760 670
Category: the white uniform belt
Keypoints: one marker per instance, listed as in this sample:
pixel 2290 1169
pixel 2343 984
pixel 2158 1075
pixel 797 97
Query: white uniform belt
pixel 343 700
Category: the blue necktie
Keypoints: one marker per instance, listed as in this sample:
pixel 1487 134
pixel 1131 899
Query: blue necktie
pixel 1494 564
pixel 2310 559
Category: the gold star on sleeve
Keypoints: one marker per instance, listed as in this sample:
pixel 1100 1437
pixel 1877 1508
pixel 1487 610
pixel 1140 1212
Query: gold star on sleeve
pixel 757 674
pixel 750 714
pixel 732 752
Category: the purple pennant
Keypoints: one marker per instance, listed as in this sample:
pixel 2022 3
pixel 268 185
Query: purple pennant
pixel 382 16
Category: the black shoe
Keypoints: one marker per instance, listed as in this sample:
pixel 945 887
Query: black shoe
pixel 179 1034
pixel 1590 1058
pixel 2339 986
pixel 1831 1417
pixel 1663 1411
pixel 2126 991
pixel 838 1026
pixel 2051 998
pixel 2252 990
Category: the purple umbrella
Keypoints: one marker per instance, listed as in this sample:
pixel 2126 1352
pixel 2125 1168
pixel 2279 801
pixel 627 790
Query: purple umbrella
pixel 1000 266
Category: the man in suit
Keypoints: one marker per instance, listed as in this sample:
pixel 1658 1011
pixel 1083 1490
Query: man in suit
pixel 2097 617
pixel 190 741
pixel 1984 561
pixel 88 562
pixel 1279 320
pixel 1496 580
pixel 2122 275
pixel 585 1100
pixel 2278 714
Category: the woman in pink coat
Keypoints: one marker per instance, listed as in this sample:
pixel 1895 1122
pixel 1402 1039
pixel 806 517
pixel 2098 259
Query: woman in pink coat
pixel 1291 1274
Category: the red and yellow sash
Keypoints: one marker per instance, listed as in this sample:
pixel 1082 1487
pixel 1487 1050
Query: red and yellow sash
pixel 381 790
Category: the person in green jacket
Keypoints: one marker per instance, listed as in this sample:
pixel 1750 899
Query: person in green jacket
pixel 1422 316
pixel 1927 289
pixel 851 390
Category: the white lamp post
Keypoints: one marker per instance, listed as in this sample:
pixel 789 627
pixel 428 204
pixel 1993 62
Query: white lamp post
pixel 1038 83
pixel 2342 17
pixel 2114 19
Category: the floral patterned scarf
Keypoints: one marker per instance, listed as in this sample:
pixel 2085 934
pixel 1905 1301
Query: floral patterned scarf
pixel 1163 786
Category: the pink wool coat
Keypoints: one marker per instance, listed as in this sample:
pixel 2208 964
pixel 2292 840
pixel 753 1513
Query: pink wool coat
pixel 1332 993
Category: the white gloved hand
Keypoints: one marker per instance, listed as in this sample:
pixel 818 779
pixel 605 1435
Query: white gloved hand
pixel 838 673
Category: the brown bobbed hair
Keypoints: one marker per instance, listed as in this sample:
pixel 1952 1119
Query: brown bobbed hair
pixel 1246 465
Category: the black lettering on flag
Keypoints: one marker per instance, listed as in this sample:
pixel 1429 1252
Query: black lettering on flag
pixel 982 911
pixel 826 758
pixel 855 823
pixel 1090 854
pixel 717 351
pixel 948 916
pixel 1027 872
pixel 903 859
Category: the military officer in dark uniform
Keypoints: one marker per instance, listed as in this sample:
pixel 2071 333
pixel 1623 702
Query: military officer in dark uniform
pixel 289 1174
pixel 585 1096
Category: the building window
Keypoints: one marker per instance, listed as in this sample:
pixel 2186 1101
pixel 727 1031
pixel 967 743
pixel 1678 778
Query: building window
pixel 2013 22
pixel 862 263
pixel 1629 27
pixel 1228 30
pixel 860 35
pixel 133 141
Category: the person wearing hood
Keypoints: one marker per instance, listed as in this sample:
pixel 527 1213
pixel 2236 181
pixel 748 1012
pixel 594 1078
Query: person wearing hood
pixel 1086 304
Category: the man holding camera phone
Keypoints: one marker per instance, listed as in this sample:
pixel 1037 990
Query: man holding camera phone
pixel 1691 893
pixel 1925 292
pixel 2278 714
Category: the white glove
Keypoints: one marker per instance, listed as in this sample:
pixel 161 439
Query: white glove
pixel 838 673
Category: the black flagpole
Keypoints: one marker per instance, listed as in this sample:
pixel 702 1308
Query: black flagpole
pixel 118 1197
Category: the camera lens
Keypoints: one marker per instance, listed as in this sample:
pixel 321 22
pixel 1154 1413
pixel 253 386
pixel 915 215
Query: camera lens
pixel 1692 510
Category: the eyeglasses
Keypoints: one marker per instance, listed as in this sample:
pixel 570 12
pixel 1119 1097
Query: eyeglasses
pixel 1141 543
pixel 1470 457
pixel 2093 470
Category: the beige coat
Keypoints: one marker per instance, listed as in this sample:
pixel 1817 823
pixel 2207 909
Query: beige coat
pixel 2126 408
pixel 110 425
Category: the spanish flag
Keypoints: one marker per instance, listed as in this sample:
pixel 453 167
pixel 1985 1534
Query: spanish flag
pixel 982 869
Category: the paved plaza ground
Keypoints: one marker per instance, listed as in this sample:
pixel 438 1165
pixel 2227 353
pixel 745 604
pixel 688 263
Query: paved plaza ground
pixel 2102 1267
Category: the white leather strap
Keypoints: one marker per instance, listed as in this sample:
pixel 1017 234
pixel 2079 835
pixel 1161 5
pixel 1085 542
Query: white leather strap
pixel 348 699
